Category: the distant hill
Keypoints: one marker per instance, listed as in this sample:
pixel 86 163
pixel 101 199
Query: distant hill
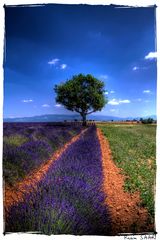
pixel 110 118
pixel 44 118
pixel 151 116
pixel 61 118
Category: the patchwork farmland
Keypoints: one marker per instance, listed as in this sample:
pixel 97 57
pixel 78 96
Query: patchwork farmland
pixel 95 180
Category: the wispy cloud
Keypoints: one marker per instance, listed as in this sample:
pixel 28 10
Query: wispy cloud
pixel 53 61
pixel 58 105
pixel 135 68
pixel 111 92
pixel 113 102
pixel 103 77
pixel 56 62
pixel 46 105
pixel 27 100
pixel 112 110
pixel 151 55
pixel 146 91
pixel 63 66
pixel 124 101
pixel 117 102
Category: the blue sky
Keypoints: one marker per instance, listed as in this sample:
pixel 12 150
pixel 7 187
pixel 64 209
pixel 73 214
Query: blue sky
pixel 48 45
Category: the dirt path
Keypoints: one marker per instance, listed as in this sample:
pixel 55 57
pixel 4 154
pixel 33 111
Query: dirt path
pixel 14 195
pixel 126 214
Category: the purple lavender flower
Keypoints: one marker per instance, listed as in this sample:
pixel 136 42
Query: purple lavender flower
pixel 69 199
pixel 41 140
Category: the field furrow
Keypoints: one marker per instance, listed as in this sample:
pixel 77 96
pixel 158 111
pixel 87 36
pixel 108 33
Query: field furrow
pixel 82 188
pixel 126 213
pixel 69 199
pixel 16 193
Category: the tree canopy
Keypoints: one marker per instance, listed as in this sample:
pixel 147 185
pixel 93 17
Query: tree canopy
pixel 147 120
pixel 83 94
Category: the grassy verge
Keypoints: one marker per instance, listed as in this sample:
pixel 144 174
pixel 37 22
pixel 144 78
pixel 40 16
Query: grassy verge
pixel 134 150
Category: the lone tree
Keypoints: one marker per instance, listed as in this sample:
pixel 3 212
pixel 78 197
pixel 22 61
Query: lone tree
pixel 83 94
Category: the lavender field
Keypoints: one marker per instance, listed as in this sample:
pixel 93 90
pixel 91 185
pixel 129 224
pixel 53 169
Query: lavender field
pixel 69 199
pixel 64 180
pixel 27 145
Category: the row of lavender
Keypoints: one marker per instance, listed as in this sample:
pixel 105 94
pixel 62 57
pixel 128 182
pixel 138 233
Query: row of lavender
pixel 69 199
pixel 27 145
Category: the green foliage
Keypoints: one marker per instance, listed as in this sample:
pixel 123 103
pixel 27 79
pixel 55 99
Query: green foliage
pixel 12 172
pixel 134 150
pixel 147 121
pixel 16 140
pixel 83 94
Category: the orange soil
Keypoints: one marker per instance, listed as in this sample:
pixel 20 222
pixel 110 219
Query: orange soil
pixel 126 214
pixel 14 195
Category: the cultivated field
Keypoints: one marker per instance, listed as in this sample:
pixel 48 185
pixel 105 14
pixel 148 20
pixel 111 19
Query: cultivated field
pixel 27 145
pixel 68 180
pixel 133 149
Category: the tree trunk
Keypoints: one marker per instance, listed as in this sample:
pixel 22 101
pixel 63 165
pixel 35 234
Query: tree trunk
pixel 84 120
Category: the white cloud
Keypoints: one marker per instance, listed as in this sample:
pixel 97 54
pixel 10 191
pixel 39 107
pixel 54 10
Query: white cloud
pixel 56 62
pixel 124 101
pixel 27 100
pixel 46 105
pixel 113 102
pixel 103 77
pixel 53 61
pixel 106 92
pixel 112 110
pixel 117 102
pixel 146 91
pixel 151 55
pixel 138 68
pixel 63 66
pixel 135 68
pixel 57 105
